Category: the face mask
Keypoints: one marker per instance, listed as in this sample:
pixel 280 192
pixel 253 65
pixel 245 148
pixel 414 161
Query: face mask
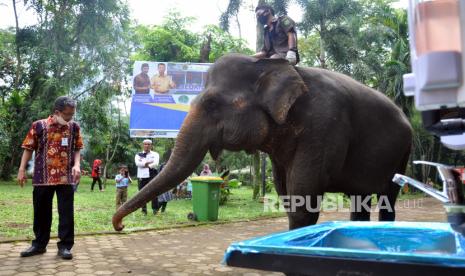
pixel 60 120
pixel 262 16
pixel 263 19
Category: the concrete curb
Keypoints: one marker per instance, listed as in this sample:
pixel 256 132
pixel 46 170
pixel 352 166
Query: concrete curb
pixel 161 229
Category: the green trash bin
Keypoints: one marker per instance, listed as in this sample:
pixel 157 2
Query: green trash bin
pixel 205 197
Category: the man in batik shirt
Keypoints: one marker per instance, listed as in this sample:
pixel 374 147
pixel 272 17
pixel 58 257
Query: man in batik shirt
pixel 57 143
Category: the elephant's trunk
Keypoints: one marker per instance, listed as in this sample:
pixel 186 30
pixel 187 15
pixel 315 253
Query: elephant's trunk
pixel 188 152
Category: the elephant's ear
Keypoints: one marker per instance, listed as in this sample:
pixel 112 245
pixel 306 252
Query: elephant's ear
pixel 278 87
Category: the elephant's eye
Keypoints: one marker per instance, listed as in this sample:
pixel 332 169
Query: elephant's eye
pixel 210 105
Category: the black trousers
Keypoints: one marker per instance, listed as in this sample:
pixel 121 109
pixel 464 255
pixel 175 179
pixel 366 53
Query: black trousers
pixel 162 206
pixel 96 179
pixel 42 198
pixel 141 184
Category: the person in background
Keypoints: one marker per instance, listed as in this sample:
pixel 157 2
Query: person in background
pixel 96 175
pixel 57 143
pixel 122 182
pixel 165 197
pixel 206 170
pixel 146 162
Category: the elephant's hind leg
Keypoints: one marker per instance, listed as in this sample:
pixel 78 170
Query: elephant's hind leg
pixel 300 216
pixel 387 200
pixel 386 203
pixel 360 207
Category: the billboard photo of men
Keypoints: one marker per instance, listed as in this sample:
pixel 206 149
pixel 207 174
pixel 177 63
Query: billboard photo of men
pixel 160 102
pixel 141 82
pixel 162 83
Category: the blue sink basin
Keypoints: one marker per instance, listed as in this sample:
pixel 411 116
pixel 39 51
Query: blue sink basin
pixel 415 244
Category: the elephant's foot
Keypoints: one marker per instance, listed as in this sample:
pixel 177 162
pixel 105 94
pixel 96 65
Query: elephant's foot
pixel 302 218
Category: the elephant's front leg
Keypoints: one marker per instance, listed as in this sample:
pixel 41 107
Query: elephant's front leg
pixel 302 210
pixel 279 177
pixel 304 191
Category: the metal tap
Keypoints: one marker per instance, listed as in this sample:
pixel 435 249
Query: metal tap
pixel 451 194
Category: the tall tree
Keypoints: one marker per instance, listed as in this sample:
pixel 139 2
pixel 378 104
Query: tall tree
pixel 349 40
pixel 398 64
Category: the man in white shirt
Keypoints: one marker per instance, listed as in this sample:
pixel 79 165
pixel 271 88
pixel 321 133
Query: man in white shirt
pixel 146 162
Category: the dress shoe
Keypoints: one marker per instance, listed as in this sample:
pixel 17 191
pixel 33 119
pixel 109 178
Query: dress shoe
pixel 32 251
pixel 65 254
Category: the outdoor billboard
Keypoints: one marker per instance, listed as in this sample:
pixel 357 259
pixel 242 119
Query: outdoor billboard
pixel 161 96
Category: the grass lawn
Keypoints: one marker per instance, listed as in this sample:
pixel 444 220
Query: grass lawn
pixel 94 210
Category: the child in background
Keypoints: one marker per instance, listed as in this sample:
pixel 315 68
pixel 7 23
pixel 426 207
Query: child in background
pixel 122 181
pixel 96 175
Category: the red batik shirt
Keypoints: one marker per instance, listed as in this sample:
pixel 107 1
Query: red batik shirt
pixel 55 146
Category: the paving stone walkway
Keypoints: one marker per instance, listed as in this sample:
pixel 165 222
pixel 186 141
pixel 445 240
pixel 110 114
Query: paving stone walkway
pixel 185 251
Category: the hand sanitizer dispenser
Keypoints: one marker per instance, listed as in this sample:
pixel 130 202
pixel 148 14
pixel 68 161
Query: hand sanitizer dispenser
pixel 437 39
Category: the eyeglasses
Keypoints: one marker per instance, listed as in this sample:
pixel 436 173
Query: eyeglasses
pixel 260 12
pixel 70 114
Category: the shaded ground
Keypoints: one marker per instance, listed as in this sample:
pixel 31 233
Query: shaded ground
pixel 186 251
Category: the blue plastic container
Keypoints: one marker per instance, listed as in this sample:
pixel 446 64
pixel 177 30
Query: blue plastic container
pixel 376 248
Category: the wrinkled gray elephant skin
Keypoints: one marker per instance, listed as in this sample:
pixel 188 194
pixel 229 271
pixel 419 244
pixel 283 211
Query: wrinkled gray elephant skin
pixel 323 131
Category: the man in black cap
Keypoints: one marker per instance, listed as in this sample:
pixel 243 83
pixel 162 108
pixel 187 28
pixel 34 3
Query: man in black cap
pixel 280 36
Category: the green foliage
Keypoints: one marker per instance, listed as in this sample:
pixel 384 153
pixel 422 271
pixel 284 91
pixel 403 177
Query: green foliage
pixel 7 61
pixel 345 36
pixel 269 186
pixel 223 42
pixel 234 183
pixel 224 196
pixel 231 10
pixel 172 41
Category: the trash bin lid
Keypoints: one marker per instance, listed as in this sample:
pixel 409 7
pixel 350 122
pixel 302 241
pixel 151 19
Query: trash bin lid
pixel 208 179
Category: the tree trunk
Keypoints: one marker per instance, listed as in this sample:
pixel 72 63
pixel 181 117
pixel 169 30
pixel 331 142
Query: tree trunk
pixel 263 161
pixel 238 26
pixel 256 175
pixel 18 55
pixel 205 49
pixel 322 57
pixel 108 158
pixel 259 43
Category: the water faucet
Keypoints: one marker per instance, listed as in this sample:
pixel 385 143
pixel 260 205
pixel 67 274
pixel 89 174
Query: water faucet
pixel 452 194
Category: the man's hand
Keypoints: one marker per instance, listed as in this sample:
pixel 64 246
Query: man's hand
pixel 259 55
pixel 148 163
pixel 76 173
pixel 291 57
pixel 22 178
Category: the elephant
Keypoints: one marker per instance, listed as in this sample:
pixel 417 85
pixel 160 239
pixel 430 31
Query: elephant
pixel 323 131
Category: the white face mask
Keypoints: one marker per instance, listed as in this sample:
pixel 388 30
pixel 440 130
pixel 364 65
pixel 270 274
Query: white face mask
pixel 60 120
